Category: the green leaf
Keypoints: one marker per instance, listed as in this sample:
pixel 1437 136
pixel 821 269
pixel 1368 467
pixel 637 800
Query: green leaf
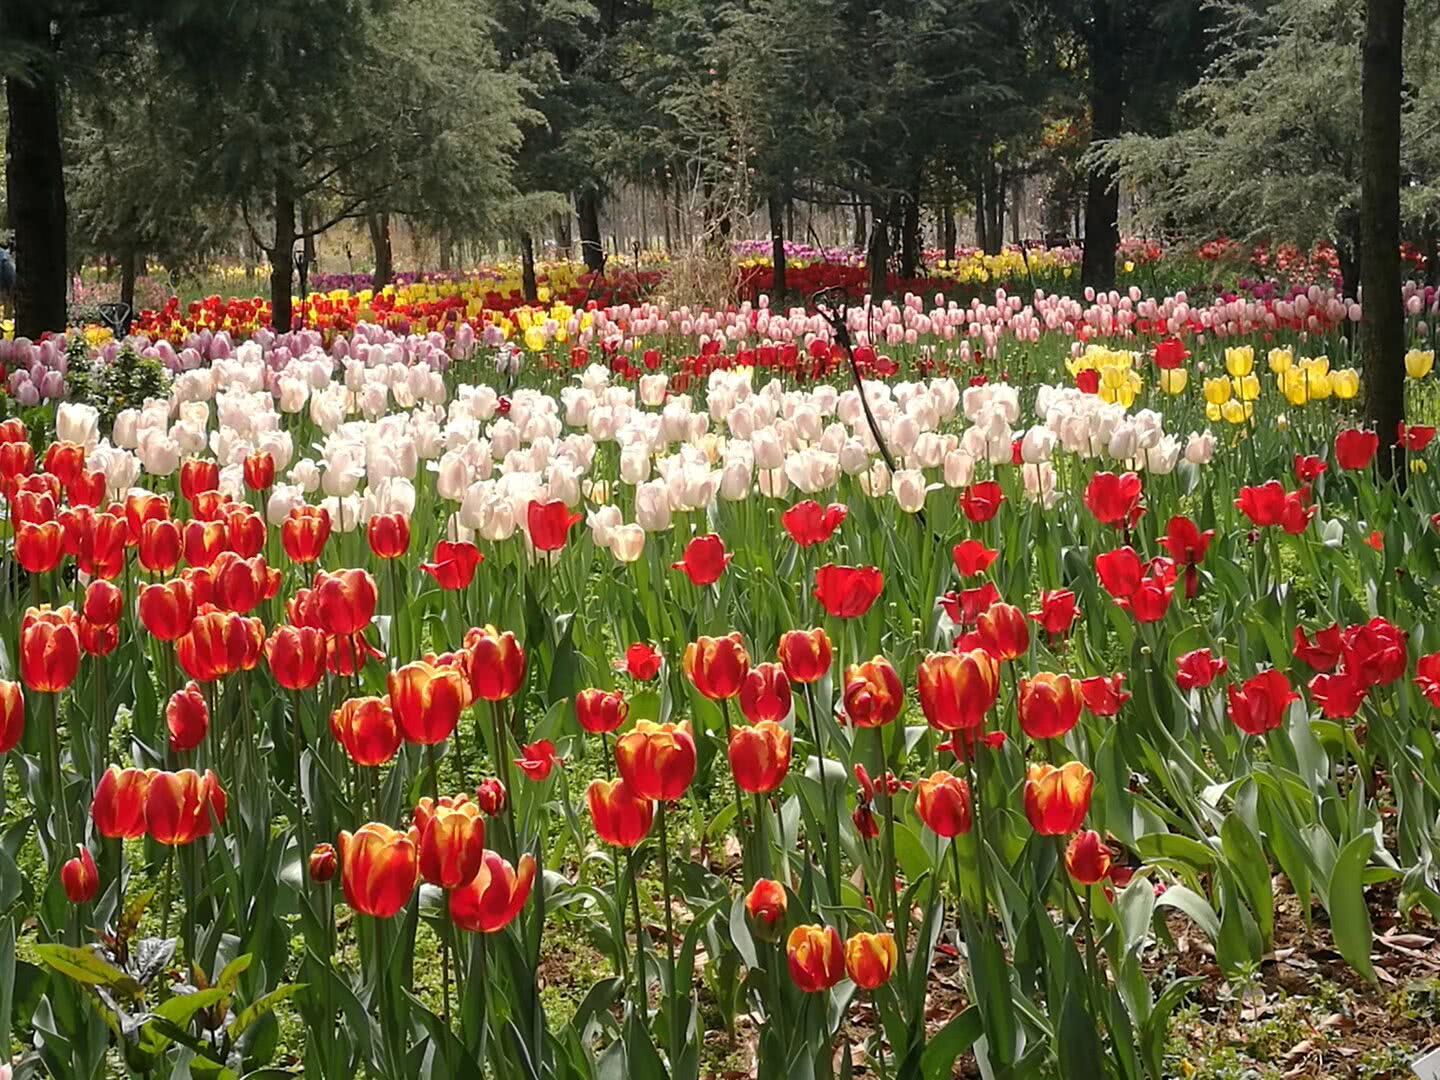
pixel 1349 918
pixel 952 1040
pixel 87 966
pixel 1247 861
pixel 260 1006
pixel 1191 903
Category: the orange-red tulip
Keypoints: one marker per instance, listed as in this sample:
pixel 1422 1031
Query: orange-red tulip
pixel 1049 705
pixel 80 876
pixel 12 715
pixel 161 545
pixel 958 689
pixel 870 959
pixel 805 655
pixel 599 711
pixel 104 603
pixel 259 470
pixel 717 665
pixel 1088 858
pixel 848 592
pixel 197 477
pixel 344 601
pixel 1003 632
pixel 491 796
pixel 178 806
pixel 657 760
pixel 495 896
pixel 245 531
pixel 453 567
pixel 187 716
pixel 388 535
pixel 39 547
pixel 241 585
pixel 297 655
pixel 621 818
pixel 942 802
pixel 49 649
pixel 323 863
pixel 304 533
pixel 496 667
pixel 119 805
pixel 427 701
pixel 366 728
pixel 168 609
pixel 766 904
pixel 873 694
pixel 65 460
pixel 816 957
pixel 96 540
pixel 97 639
pixel 1057 799
pixel 705 560
pixel 452 840
pixel 220 643
pixel 765 693
pixel 760 757
pixel 142 507
pixel 204 541
pixel 378 868
pixel 548 524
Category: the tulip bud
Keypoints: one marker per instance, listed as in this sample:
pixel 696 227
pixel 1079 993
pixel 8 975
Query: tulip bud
pixel 323 863
pixel 80 877
pixel 765 693
pixel 600 711
pixel 765 904
pixel 760 756
pixel 188 717
pixel 12 715
pixel 717 666
pixel 816 957
pixel 1088 858
pixel 870 959
pixel 805 655
pixel 491 797
pixel 621 818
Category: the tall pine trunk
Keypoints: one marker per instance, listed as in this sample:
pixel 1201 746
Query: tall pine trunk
pixel 528 286
pixel 127 276
pixel 1107 105
pixel 777 246
pixel 947 231
pixel 911 242
pixel 282 258
pixel 379 224
pixel 1383 322
pixel 34 175
pixel 592 245
pixel 877 255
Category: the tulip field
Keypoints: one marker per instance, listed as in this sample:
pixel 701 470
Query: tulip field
pixel 605 690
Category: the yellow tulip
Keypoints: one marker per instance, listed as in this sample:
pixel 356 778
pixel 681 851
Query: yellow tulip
pixel 1418 363
pixel 1281 360
pixel 1316 364
pixel 1318 384
pixel 1240 360
pixel 1129 266
pixel 1173 380
pixel 534 338
pixel 1345 383
pixel 1212 412
pixel 1292 384
pixel 1236 412
pixel 1218 390
pixel 1249 387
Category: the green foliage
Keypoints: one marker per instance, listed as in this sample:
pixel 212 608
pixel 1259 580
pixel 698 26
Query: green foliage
pixel 126 383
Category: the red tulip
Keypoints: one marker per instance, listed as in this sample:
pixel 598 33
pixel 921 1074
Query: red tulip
pixel 179 806
pixel 323 863
pixel 622 819
pixel 816 958
pixel 847 592
pixel 1057 799
pixel 345 601
pixel 1001 631
pixel 366 728
pixel 1415 438
pixel 1115 500
pixel 965 607
pixel 805 655
pixel 454 565
pixel 304 533
pixel 198 477
pixel 167 610
pixel 452 840
pixel 187 717
pixel 496 667
pixel 599 711
pixel 1356 449
pixel 1297 513
pixel 1187 545
pixel 297 655
pixel 717 666
pixel 765 905
pixel 1120 572
pixel 245 531
pixel 80 876
pixel 39 547
pixel 1324 653
pixel 982 501
pixel 259 470
pixel 1198 669
pixel 1263 505
pixel 1377 652
pixel 1427 678
pixel 1058 612
pixel 1104 694
pixel 548 524
pixel 141 508
pixel 118 808
pixel 1339 695
pixel 242 585
pixel 538 760
pixel 12 715
pixel 1309 469
pixel 491 796
pixel 642 661
pixel 765 693
pixel 389 536
pixel 1170 353
pixel 1049 705
pixel 942 802
pixel 379 867
pixel 705 560
pixel 104 603
pixel 1088 858
pixel 427 701
pixel 97 639
pixel 759 757
pixel 972 558
pixel 160 546
pixel 494 897
pixel 204 541
pixel 809 523
pixel 958 689
pixel 49 649
pixel 220 643
pixel 1261 704
pixel 872 693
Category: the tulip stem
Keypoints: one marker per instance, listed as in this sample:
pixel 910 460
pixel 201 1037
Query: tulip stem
pixel 165 890
pixel 502 765
pixel 676 1035
pixel 640 994
pixel 740 829
pixel 830 854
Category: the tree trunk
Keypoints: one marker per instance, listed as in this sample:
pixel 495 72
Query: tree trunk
pixel 1107 106
pixel 777 245
pixel 877 256
pixel 1383 321
pixel 1016 186
pixel 995 208
pixel 379 225
pixel 981 217
pixel 527 268
pixel 282 258
pixel 127 277
pixel 35 176
pixel 911 245
pixel 947 228
pixel 307 246
pixel 592 245
pixel 858 236
pixel 1432 250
